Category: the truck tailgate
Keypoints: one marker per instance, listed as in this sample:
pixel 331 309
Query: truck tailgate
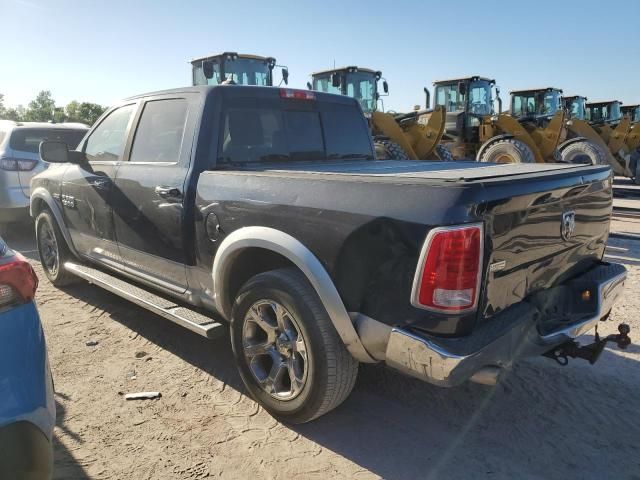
pixel 544 234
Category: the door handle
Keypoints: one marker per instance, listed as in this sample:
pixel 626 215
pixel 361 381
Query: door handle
pixel 169 192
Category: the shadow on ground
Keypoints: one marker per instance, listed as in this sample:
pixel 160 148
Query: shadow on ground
pixel 396 427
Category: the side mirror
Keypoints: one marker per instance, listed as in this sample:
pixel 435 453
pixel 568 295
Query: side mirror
pixel 385 86
pixel 309 86
pixel 335 80
pixel 285 76
pixel 54 152
pixel 462 88
pixel 207 69
pixel 427 95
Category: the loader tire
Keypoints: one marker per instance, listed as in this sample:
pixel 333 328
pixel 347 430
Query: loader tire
pixel 388 150
pixel 583 152
pixel 443 153
pixel 507 150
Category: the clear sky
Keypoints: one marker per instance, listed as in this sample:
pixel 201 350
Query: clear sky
pixel 102 51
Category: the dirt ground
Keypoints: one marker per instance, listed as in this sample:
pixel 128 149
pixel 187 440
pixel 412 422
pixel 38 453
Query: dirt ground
pixel 542 421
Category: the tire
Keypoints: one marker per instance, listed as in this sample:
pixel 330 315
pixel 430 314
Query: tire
pixel 388 150
pixel 507 150
pixel 53 250
pixel 443 153
pixel 635 166
pixel 583 152
pixel 325 369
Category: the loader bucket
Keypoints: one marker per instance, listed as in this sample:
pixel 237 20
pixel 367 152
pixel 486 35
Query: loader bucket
pixel 385 124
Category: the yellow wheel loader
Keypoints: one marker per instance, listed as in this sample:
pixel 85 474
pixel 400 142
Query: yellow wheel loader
pixel 621 135
pixel 578 126
pixel 556 131
pixel 396 136
pixel 474 130
pixel 237 68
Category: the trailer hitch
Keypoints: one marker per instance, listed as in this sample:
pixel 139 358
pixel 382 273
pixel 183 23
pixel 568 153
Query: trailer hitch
pixel 590 352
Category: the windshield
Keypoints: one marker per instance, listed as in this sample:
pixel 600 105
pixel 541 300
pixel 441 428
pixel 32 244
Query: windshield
pixel 633 113
pixel 608 112
pixel 448 97
pixel 243 71
pixel 322 83
pixel 576 108
pixel 247 71
pixel 535 103
pixel 362 87
pixel 479 93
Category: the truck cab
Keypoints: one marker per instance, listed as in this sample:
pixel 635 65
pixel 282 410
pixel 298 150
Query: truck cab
pixel 239 68
pixel 355 82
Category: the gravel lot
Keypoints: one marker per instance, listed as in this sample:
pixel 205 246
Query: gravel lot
pixel 542 421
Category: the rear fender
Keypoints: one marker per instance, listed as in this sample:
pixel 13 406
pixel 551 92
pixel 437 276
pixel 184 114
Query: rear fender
pixel 284 244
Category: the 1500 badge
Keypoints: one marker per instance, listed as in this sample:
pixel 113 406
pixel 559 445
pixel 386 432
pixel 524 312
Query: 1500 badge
pixel 68 201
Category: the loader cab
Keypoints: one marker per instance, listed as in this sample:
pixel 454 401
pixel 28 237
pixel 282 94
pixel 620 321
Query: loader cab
pixel 536 104
pixel 238 68
pixel 631 111
pixel 355 82
pixel 575 106
pixel 466 101
pixel 600 113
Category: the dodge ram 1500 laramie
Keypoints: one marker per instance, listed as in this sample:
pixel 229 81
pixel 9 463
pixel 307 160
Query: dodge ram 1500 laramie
pixel 265 209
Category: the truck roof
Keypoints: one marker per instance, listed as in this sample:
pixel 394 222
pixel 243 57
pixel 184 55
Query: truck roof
pixel 248 91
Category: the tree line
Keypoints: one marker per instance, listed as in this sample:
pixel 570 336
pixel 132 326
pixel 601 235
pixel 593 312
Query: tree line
pixel 43 109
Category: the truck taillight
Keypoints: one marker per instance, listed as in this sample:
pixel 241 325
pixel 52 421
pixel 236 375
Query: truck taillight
pixel 297 94
pixel 448 276
pixel 17 165
pixel 18 281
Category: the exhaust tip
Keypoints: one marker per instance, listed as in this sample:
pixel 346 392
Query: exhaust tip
pixel 487 376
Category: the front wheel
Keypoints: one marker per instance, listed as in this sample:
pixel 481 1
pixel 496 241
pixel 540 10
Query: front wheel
pixel 507 150
pixel 53 250
pixel 583 152
pixel 289 355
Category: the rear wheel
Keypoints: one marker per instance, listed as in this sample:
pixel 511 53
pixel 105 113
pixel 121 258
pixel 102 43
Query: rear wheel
pixel 289 355
pixel 388 150
pixel 53 250
pixel 507 150
pixel 583 152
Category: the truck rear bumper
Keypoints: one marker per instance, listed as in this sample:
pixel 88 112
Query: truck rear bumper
pixel 525 329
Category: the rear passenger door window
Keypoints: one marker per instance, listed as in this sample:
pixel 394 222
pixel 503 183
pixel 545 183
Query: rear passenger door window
pixel 107 141
pixel 160 132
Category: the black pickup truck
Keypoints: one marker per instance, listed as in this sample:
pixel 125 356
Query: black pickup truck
pixel 265 209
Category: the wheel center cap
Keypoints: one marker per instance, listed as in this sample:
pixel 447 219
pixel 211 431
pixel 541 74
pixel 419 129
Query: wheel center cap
pixel 283 344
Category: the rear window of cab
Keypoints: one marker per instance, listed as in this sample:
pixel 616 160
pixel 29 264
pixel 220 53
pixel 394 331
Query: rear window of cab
pixel 280 130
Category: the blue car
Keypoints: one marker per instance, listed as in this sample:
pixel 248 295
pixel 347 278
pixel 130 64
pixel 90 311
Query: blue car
pixel 27 406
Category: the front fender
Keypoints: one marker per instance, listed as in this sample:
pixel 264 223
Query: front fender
pixel 291 248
